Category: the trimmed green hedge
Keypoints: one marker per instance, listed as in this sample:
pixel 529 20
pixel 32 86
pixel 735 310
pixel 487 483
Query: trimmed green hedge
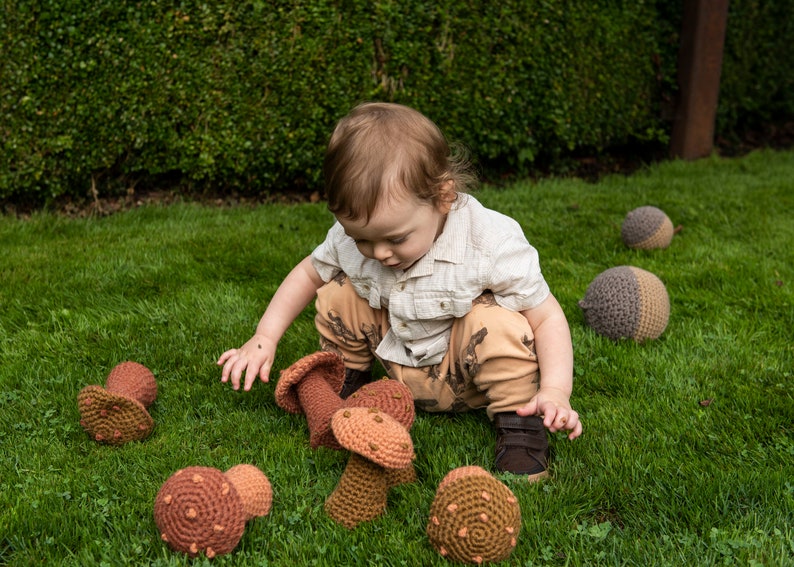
pixel 757 84
pixel 100 95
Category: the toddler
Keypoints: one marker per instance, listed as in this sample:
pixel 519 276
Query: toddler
pixel 447 294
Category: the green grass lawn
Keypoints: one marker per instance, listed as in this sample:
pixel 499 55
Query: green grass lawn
pixel 659 477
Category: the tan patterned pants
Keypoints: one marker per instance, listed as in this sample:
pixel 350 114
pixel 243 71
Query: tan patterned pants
pixel 491 361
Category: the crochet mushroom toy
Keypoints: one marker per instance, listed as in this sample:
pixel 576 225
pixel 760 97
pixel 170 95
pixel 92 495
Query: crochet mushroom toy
pixel 311 386
pixel 627 302
pixel 202 510
pixel 474 518
pixel 381 455
pixel 647 228
pixel 118 412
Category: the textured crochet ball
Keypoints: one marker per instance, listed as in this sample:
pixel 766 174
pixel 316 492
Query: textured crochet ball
pixel 627 302
pixel 474 518
pixel 647 228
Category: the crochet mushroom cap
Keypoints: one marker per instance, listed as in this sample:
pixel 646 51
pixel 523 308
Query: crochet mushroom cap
pixel 133 380
pixel 627 302
pixel 647 228
pixel 389 396
pixel 254 489
pixel 374 435
pixel 111 418
pixel 474 518
pixel 198 510
pixel 460 472
pixel 328 365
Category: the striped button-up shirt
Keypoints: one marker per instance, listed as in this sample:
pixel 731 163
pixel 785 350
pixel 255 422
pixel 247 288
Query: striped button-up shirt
pixel 478 250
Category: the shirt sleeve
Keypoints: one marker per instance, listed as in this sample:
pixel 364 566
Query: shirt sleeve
pixel 515 277
pixel 325 258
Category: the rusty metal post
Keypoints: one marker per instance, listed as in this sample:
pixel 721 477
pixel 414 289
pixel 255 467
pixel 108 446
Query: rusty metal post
pixel 699 68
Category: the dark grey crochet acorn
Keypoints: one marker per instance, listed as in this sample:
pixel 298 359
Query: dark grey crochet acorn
pixel 627 302
pixel 647 228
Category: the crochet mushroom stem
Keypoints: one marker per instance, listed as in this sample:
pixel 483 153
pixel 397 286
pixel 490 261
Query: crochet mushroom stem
pixel 311 386
pixel 379 446
pixel 118 412
pixel 202 510
pixel 254 489
pixel 474 518
pixel 361 494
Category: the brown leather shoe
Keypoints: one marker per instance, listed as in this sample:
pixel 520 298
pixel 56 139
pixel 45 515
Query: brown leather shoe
pixel 354 379
pixel 522 446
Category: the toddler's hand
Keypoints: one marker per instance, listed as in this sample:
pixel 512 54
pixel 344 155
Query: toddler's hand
pixel 556 410
pixel 254 357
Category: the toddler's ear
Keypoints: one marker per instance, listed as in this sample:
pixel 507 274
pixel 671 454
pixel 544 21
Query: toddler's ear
pixel 446 196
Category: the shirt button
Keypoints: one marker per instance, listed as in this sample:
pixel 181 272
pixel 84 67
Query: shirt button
pixel 445 306
pixel 401 286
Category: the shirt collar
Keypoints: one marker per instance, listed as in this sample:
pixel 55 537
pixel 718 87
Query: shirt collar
pixel 450 246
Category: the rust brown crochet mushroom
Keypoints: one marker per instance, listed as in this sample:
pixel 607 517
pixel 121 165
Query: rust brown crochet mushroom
pixel 117 413
pixel 311 386
pixel 379 447
pixel 202 510
pixel 474 517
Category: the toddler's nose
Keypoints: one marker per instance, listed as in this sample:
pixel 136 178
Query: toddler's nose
pixel 381 252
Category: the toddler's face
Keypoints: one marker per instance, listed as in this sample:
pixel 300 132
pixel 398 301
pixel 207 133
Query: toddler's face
pixel 400 231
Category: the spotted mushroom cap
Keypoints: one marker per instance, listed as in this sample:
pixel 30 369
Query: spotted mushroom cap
pixel 389 396
pixel 460 472
pixel 374 435
pixel 254 489
pixel 329 364
pixel 112 418
pixel 474 518
pixel 198 510
pixel 646 228
pixel 627 302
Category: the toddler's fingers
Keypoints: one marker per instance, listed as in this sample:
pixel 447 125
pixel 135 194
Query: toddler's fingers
pixel 264 372
pixel 571 423
pixel 225 356
pixel 238 368
pixel 250 376
pixel 576 431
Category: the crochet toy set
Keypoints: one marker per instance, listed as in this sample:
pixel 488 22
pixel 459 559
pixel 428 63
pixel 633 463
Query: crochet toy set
pixel 626 302
pixel 474 518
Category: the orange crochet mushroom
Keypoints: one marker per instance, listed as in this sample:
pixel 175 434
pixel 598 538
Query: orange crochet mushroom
pixel 311 386
pixel 381 456
pixel 202 510
pixel 118 412
pixel 474 517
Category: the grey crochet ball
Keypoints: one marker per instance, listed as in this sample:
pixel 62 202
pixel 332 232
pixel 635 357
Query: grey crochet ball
pixel 626 302
pixel 647 228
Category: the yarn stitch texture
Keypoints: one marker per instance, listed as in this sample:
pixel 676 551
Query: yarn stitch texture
pixel 474 518
pixel 647 228
pixel 254 488
pixel 381 457
pixel 627 302
pixel 117 413
pixel 311 385
pixel 198 510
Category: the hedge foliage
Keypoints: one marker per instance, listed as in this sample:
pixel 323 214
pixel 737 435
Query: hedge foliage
pixel 100 95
